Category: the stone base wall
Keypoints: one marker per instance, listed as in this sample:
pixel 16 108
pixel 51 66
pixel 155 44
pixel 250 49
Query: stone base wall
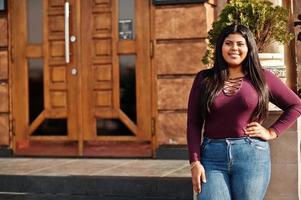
pixel 296 17
pixel 285 155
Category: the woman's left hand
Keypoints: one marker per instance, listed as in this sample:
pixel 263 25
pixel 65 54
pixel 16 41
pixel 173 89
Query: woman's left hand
pixel 254 129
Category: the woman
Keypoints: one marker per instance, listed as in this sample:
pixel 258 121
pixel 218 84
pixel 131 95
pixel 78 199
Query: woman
pixel 228 103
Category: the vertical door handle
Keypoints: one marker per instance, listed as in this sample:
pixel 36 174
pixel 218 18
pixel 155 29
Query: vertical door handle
pixel 67 44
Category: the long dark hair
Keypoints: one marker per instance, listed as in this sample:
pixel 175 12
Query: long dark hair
pixel 215 77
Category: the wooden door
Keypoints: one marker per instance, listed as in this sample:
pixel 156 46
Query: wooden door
pixel 96 102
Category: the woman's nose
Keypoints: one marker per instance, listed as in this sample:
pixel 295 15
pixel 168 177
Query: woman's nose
pixel 234 46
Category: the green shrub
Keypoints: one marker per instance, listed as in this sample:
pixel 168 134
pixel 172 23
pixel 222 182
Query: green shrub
pixel 267 22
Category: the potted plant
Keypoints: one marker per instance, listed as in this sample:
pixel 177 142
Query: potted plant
pixel 267 22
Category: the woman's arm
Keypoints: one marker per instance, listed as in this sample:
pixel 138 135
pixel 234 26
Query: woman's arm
pixel 194 130
pixel 194 120
pixel 283 97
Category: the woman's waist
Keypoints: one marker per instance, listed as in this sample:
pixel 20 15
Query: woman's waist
pixel 232 140
pixel 222 134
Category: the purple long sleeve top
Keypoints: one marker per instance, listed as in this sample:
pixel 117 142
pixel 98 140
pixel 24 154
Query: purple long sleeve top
pixel 231 114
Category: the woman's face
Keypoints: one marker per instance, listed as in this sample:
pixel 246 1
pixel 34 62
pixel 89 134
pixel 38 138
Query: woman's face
pixel 234 50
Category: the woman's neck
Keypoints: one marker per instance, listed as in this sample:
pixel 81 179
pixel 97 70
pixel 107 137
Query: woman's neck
pixel 235 72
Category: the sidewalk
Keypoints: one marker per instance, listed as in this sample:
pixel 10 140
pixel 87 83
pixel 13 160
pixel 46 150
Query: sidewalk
pixel 116 179
pixel 94 167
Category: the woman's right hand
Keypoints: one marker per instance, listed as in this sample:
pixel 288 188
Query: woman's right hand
pixel 197 174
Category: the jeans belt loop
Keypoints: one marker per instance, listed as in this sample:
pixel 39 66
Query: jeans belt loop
pixel 248 139
pixel 208 140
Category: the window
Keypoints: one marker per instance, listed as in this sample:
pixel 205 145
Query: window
pixel 3 6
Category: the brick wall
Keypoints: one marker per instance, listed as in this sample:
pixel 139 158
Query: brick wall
pixel 179 35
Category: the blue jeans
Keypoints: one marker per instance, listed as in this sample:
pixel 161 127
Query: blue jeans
pixel 236 169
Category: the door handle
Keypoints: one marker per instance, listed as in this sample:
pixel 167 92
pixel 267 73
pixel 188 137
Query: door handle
pixel 67 44
pixel 72 38
pixel 74 71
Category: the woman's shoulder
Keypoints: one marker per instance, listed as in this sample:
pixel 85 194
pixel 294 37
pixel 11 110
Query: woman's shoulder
pixel 269 75
pixel 204 73
pixel 200 77
pixel 267 72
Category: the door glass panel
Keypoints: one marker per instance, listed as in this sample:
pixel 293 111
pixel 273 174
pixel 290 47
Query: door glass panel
pixel 3 4
pixel 52 127
pixel 36 101
pixel 127 19
pixel 36 87
pixel 127 79
pixel 34 21
pixel 112 127
pixel 128 85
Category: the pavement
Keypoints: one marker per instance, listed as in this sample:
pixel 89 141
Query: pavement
pixel 94 179
pixel 94 167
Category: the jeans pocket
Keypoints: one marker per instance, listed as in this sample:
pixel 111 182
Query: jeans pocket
pixel 205 143
pixel 260 144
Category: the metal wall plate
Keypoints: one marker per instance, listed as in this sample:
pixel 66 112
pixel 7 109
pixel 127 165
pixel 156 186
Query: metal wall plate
pixel 167 2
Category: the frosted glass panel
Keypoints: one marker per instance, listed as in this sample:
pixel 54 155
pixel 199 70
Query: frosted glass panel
pixel 36 87
pixel 3 4
pixel 126 19
pixel 127 64
pixel 34 21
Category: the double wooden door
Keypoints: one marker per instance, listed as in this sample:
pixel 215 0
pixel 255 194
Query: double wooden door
pixel 81 77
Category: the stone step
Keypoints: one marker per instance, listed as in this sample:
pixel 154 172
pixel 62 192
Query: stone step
pixel 75 197
pixel 109 187
pixel 116 183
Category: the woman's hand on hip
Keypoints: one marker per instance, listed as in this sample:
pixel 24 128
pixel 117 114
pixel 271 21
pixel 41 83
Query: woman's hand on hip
pixel 254 129
pixel 198 174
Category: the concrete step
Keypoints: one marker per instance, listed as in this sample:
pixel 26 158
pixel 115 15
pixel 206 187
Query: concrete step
pixel 80 187
pixel 71 197
pixel 75 179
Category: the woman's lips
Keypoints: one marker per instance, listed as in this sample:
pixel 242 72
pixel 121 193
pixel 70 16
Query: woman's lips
pixel 234 55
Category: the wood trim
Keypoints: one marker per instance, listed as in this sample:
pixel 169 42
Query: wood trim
pixel 103 86
pixel 81 90
pixel 126 47
pixel 46 148
pixel 34 51
pixel 10 64
pixel 47 105
pixel 117 138
pixel 56 113
pixel 115 58
pixel 86 63
pixel 128 122
pixel 49 138
pixel 106 113
pixel 154 80
pixel 58 86
pixel 36 123
pixel 4 77
pixel 121 149
pixel 74 81
pixel 19 70
pixel 143 70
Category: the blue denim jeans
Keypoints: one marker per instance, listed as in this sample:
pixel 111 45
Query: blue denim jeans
pixel 236 169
